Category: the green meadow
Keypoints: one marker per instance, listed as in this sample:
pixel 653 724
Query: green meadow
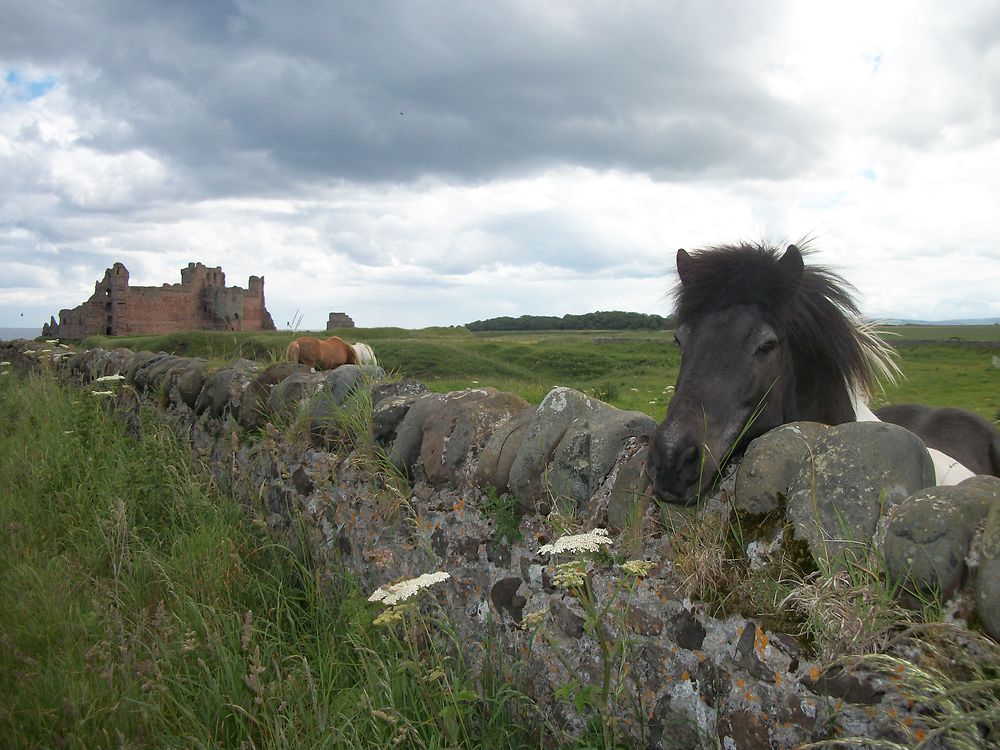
pixel 142 607
pixel 632 370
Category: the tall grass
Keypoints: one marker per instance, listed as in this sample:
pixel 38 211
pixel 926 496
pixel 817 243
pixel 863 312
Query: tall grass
pixel 140 607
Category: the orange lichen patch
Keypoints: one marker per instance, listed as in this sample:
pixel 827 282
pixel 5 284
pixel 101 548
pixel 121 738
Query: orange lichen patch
pixel 814 674
pixel 685 676
pixel 760 641
pixel 740 683
pixel 459 505
pixel 739 630
pixel 701 656
pixel 892 713
pixel 908 721
pixel 777 679
pixel 919 735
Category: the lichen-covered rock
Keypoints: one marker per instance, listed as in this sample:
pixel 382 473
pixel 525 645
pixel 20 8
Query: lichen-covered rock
pixel 630 493
pixel 222 389
pixel 344 380
pixel 137 360
pixel 191 381
pixel 988 576
pixel 928 538
pixel 568 447
pixel 500 450
pixel 558 410
pixel 856 472
pixel 771 466
pixel 390 402
pixel 445 431
pixel 253 401
pixel 149 377
pixel 288 395
pixel 588 451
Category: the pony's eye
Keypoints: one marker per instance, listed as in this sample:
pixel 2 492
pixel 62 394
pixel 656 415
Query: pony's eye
pixel 767 347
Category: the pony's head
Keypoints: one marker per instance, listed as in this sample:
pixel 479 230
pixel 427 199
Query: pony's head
pixel 764 340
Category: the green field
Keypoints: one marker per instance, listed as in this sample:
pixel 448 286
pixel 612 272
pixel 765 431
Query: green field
pixel 630 369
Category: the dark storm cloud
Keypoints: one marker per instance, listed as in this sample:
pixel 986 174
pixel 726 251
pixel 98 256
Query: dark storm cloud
pixel 255 97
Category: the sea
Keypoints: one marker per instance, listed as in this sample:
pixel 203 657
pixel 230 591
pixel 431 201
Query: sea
pixel 8 334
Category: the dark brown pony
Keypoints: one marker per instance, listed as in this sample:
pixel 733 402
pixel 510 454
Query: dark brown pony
pixel 764 340
pixel 321 354
pixel 961 434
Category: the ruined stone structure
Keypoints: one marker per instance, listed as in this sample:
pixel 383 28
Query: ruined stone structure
pixel 201 301
pixel 339 320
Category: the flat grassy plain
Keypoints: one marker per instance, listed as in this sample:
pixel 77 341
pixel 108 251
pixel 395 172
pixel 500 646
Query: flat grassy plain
pixel 630 369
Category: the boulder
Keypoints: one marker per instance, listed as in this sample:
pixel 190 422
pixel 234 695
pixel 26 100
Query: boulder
pixel 335 414
pixel 771 466
pixel 988 577
pixel 928 536
pixel 191 381
pixel 446 431
pixel 390 403
pixel 553 417
pixel 223 388
pixel 629 493
pixel 856 472
pixel 500 450
pixel 287 395
pixel 568 448
pixel 253 400
pixel 588 451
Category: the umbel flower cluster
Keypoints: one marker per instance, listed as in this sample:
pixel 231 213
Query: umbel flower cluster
pixel 399 592
pixel 591 541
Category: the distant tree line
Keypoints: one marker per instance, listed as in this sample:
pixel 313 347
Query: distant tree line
pixel 596 321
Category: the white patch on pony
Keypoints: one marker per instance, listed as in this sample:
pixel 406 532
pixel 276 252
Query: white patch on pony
pixel 946 469
pixel 364 354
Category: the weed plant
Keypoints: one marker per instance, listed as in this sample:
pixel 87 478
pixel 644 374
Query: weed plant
pixel 139 607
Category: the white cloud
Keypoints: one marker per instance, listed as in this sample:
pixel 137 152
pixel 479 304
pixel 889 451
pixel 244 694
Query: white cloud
pixel 413 166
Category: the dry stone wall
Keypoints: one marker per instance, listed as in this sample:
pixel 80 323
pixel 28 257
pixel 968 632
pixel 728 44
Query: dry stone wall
pixel 288 442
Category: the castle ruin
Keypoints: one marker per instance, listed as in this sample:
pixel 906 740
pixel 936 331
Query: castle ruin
pixel 201 301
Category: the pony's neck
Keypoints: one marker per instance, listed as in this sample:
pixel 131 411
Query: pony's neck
pixel 822 401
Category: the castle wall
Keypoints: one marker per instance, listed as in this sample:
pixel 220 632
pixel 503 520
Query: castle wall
pixel 201 301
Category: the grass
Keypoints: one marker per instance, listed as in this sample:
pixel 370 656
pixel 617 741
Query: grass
pixel 141 607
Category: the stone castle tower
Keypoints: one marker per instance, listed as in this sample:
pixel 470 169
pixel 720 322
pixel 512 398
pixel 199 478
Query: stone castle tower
pixel 201 301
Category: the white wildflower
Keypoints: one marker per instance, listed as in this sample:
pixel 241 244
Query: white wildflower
pixel 5 372
pixel 109 378
pixel 4 364
pixel 52 341
pixel 102 393
pixel 588 542
pixel 398 592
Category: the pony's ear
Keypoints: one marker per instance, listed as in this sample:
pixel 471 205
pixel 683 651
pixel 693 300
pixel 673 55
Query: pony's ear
pixel 791 265
pixel 683 264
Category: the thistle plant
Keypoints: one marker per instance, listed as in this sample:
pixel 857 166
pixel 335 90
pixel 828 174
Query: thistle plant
pixel 602 621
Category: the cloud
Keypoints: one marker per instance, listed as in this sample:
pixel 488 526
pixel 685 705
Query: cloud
pixel 422 163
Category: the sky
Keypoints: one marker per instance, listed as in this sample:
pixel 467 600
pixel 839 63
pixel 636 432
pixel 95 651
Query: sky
pixel 419 162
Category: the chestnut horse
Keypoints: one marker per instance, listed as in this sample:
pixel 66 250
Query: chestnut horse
pixel 321 354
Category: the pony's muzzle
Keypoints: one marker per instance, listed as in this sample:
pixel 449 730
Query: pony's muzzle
pixel 675 470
